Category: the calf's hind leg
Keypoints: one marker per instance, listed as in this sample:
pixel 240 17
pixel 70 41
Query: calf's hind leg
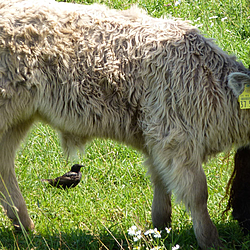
pixel 10 194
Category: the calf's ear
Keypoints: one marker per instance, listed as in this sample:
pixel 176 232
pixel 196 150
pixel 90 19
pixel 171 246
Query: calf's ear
pixel 237 82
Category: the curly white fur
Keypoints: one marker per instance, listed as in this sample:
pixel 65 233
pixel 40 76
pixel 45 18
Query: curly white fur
pixel 155 84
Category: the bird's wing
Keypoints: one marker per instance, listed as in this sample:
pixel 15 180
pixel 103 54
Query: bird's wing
pixel 70 175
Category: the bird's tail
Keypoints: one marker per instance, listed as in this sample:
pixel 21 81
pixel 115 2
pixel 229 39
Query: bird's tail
pixel 47 180
pixel 52 182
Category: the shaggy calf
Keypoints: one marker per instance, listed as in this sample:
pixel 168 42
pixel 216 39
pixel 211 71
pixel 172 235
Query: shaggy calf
pixel 155 84
pixel 239 199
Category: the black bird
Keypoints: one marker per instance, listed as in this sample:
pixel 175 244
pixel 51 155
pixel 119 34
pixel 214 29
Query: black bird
pixel 68 180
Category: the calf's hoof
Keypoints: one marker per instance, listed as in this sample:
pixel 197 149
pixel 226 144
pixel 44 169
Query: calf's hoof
pixel 27 226
pixel 209 239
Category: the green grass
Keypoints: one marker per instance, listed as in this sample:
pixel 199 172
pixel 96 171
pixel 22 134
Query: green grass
pixel 115 192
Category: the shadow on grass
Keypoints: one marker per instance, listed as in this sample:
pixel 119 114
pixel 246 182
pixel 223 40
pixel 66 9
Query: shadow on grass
pixel 74 239
pixel 230 234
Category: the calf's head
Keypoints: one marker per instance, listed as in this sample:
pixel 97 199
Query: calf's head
pixel 237 82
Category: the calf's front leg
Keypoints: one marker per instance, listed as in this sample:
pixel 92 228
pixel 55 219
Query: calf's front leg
pixel 182 173
pixel 161 206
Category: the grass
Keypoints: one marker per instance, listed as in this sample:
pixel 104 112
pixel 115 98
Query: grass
pixel 115 193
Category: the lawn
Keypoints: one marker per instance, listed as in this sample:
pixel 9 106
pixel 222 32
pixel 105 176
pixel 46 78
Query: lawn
pixel 115 193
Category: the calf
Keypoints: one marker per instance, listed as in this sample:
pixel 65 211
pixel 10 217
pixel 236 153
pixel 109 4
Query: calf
pixel 155 84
